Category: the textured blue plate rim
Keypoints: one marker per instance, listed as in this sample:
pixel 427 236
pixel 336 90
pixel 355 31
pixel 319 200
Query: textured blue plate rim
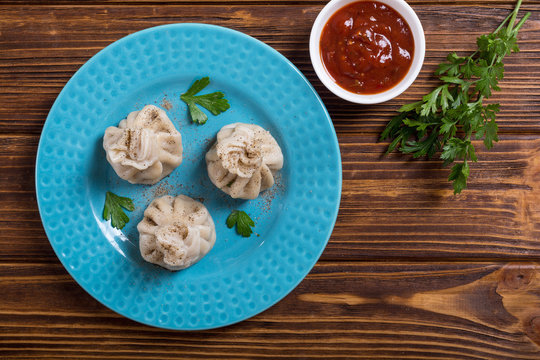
pixel 334 211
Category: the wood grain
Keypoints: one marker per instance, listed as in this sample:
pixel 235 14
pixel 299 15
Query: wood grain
pixel 410 272
pixel 391 208
pixel 54 49
pixel 342 310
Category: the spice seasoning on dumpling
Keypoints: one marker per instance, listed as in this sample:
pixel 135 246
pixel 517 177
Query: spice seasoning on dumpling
pixel 145 147
pixel 128 138
pixel 176 232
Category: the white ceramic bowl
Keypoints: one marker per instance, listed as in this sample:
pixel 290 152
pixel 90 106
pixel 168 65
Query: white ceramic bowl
pixel 419 51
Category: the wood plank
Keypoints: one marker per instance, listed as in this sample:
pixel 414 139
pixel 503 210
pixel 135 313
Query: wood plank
pixel 446 310
pixel 391 207
pixel 54 49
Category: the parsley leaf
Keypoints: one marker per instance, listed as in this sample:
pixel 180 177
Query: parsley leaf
pixel 113 209
pixel 453 113
pixel 197 86
pixel 454 149
pixel 452 66
pixel 448 127
pixel 490 134
pixel 243 222
pixel 459 175
pixel 213 102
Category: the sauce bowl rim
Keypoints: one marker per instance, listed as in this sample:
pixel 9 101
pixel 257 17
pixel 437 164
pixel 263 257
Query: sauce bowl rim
pixel 402 8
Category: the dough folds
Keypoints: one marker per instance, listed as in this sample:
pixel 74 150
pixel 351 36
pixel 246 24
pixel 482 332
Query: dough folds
pixel 244 160
pixel 145 147
pixel 176 232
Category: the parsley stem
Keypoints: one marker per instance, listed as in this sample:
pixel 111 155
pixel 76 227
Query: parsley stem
pixel 502 24
pixel 521 22
pixel 513 18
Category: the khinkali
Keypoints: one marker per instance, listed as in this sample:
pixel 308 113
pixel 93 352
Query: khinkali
pixel 244 160
pixel 145 147
pixel 176 232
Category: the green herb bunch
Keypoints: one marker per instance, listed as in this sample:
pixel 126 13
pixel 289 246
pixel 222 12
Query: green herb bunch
pixel 451 116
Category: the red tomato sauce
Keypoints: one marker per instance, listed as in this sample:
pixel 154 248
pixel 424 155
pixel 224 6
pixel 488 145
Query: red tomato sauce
pixel 367 47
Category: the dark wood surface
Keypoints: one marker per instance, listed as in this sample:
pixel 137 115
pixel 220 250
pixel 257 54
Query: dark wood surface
pixel 410 272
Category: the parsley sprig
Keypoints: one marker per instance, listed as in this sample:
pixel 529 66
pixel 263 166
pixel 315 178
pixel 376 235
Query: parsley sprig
pixel 243 222
pixel 113 209
pixel 213 102
pixel 453 114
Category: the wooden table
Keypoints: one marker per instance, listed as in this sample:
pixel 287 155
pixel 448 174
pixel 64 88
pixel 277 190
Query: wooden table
pixel 410 272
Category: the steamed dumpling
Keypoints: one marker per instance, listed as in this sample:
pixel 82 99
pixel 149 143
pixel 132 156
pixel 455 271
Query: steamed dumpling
pixel 244 160
pixel 145 147
pixel 176 232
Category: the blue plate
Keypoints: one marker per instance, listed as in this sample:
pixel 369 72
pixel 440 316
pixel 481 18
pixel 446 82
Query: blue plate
pixel 240 277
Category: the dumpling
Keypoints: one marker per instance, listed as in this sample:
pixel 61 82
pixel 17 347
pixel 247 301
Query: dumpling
pixel 176 232
pixel 145 147
pixel 244 160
